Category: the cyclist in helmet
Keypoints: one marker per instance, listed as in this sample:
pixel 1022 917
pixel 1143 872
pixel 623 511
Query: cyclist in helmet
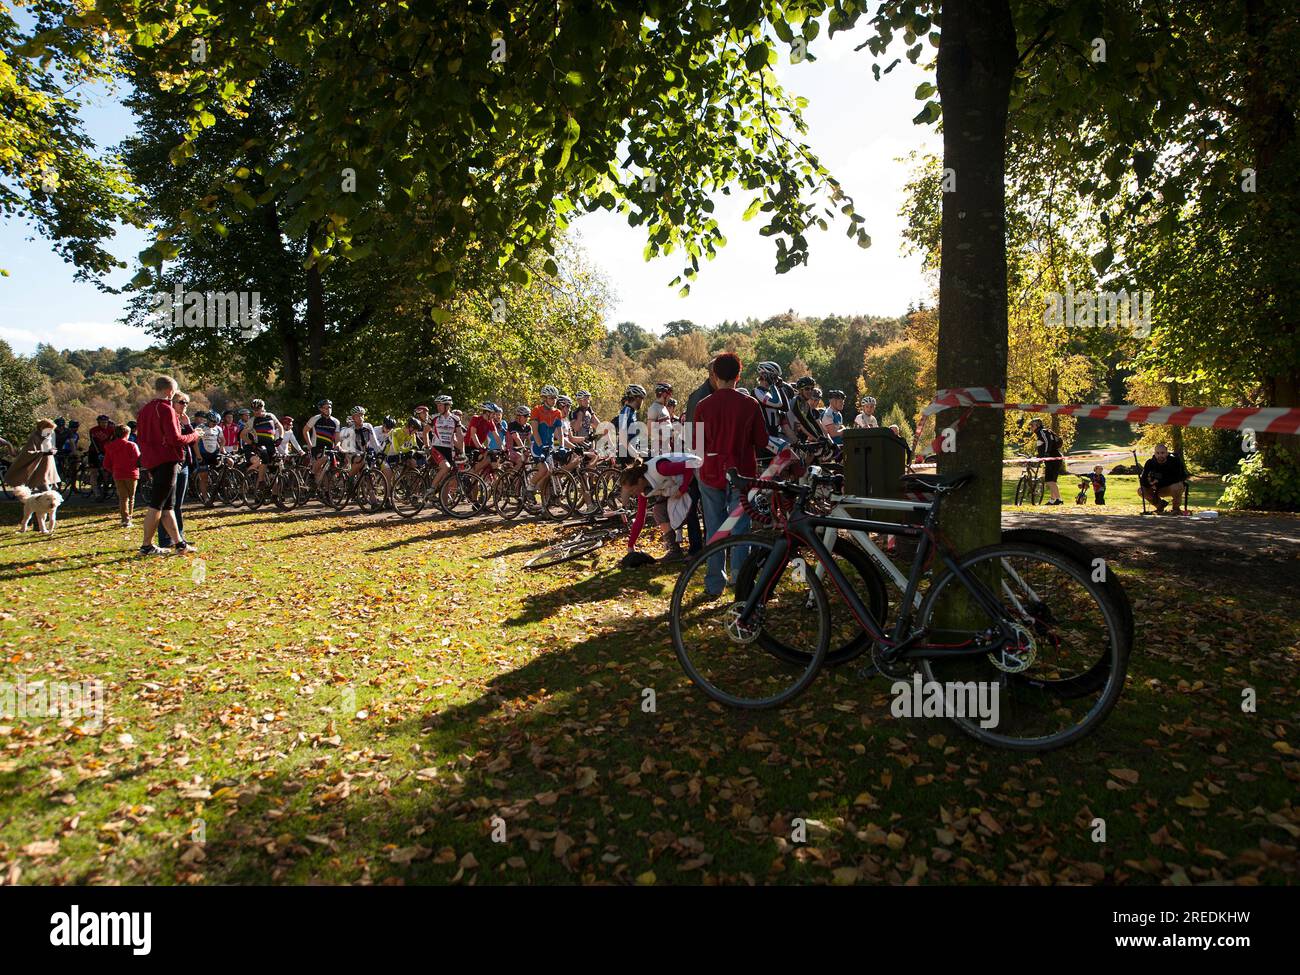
pixel 582 419
pixel 321 433
pixel 357 438
pixel 259 437
pixel 444 425
pixel 289 444
pixel 867 418
pixel 518 433
pixel 478 437
pixel 211 443
pixel 659 419
pixel 384 433
pixel 774 397
pixel 629 430
pixel 229 432
pixel 100 434
pixel 401 444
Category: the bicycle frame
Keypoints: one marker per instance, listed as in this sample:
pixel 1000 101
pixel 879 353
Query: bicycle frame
pixel 804 529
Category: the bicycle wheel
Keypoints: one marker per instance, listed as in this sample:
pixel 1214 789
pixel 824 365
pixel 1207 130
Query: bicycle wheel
pixel 565 551
pixel 83 483
pixel 408 494
pixel 530 498
pixel 257 492
pixel 1045 690
pixel 1022 489
pixel 372 491
pixel 286 491
pixel 848 637
pixel 232 486
pixel 505 494
pixel 337 489
pixel 1036 492
pixel 578 498
pixel 724 657
pixel 462 495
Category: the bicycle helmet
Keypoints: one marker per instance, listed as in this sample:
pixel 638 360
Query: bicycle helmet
pixel 101 418
pixel 549 390
pixel 259 404
pixel 522 411
pixel 444 398
pixel 75 424
pixel 661 388
pixel 769 370
pixel 563 400
pixel 835 394
pixel 868 401
pixel 634 391
pixel 389 423
pixel 357 410
pixel 582 394
pixel 805 382
pixel 324 403
pixel 245 412
pixel 487 406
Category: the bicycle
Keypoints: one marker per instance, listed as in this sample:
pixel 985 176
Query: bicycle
pixel 584 543
pixel 1031 486
pixel 1001 611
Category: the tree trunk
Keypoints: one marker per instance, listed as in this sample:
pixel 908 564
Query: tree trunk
pixel 977 55
pixel 315 323
pixel 1175 433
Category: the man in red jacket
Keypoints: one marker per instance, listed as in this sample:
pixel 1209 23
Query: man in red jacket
pixel 732 430
pixel 162 449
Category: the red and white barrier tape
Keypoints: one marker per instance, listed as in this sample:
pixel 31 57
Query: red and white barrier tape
pixel 1261 419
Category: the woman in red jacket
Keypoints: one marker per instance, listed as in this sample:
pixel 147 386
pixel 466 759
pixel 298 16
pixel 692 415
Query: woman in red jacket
pixel 122 459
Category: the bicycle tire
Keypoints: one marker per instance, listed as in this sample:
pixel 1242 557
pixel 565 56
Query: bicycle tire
pixel 811 662
pixel 1116 664
pixel 408 493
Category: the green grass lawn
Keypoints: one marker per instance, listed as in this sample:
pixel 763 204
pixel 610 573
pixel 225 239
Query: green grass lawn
pixel 1121 492
pixel 326 698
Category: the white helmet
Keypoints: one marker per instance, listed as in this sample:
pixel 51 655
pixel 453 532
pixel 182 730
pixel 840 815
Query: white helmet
pixel 549 390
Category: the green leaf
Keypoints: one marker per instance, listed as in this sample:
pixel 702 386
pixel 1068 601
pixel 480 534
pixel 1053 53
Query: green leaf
pixel 924 90
pixel 756 56
pixel 1102 259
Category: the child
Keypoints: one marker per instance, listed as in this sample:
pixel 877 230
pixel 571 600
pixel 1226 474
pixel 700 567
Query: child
pixel 1098 486
pixel 122 459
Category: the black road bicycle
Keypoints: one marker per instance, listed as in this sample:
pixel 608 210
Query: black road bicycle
pixel 1026 624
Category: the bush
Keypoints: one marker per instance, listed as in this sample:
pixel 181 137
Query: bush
pixel 895 417
pixel 1264 488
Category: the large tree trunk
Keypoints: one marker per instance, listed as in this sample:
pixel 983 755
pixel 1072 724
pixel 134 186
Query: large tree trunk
pixel 315 323
pixel 977 55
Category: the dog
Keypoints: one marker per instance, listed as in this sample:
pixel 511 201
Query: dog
pixel 43 506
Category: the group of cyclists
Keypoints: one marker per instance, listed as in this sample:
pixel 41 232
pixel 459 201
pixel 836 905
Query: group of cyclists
pixel 559 433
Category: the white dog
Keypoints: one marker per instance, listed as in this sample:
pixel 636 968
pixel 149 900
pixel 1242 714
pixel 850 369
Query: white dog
pixel 43 506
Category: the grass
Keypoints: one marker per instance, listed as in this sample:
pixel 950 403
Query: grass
pixel 331 698
pixel 1121 493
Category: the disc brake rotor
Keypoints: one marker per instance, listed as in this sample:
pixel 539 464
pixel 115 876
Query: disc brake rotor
pixel 740 631
pixel 1019 656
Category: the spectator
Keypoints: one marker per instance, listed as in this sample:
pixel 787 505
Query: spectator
pixel 1048 444
pixel 190 463
pixel 34 465
pixel 732 434
pixel 122 459
pixel 1164 476
pixel 833 417
pixel 162 451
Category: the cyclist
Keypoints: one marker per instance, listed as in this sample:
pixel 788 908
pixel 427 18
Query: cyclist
pixel 401 443
pixel 210 444
pixel 321 433
pixel 583 418
pixel 518 432
pixel 802 420
pixel 229 432
pixel 100 434
pixel 628 429
pixel 771 394
pixel 421 413
pixel 866 420
pixel 1048 444
pixel 659 418
pixel 357 438
pixel 478 437
pixel 666 479
pixel 832 417
pixel 259 438
pixel 544 421
pixel 289 442
pixel 384 433
pixel 443 427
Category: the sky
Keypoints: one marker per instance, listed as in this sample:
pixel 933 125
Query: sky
pixel 859 127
